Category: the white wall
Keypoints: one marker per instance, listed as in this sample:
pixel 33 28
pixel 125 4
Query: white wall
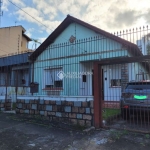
pixel 111 72
pixel 85 88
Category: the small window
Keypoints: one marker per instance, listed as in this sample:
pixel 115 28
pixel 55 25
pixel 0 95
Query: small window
pixel 84 78
pixel 115 82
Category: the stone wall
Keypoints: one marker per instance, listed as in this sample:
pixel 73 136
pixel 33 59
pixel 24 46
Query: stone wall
pixel 5 105
pixel 72 112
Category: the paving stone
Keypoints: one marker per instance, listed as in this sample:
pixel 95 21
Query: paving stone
pixel 2 105
pixel 58 114
pixel 41 101
pixel 81 110
pixel 26 111
pixel 77 103
pixel 81 122
pixel 22 101
pixel 91 104
pixel 27 101
pixel 54 108
pixel 2 109
pixel 21 111
pixel 34 106
pixel 51 113
pixel 19 105
pixel 49 107
pixel 72 115
pixel 68 109
pixel 87 110
pixel 74 121
pixel 32 112
pixel 46 102
pixel 36 112
pixel 88 123
pixel 41 112
pixel 84 104
pixel 88 117
pixel 79 116
pixel 75 109
pixel 58 102
pixel 65 115
pixel 52 102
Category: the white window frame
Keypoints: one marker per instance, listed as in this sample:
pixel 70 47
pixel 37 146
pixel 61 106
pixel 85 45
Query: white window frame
pixel 49 78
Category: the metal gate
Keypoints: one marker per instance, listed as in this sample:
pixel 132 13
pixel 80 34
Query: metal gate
pixel 124 94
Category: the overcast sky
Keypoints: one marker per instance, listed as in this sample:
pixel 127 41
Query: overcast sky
pixel 109 15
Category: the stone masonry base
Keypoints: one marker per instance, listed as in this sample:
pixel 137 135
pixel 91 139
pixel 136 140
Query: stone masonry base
pixel 71 112
pixel 5 104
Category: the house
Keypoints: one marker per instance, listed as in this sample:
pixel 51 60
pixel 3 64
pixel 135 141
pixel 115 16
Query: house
pixel 90 44
pixel 13 40
pixel 63 66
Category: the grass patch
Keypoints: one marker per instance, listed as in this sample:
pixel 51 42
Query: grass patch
pixel 13 106
pixel 110 112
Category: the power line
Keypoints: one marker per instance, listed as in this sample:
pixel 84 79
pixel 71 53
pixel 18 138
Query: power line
pixel 29 15
pixel 38 20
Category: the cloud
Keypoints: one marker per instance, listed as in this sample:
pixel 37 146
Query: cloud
pixel 108 15
pixel 42 39
pixel 5 6
pixel 126 18
pixel 19 2
pixel 47 25
pixel 29 32
pixel 147 16
pixel 6 3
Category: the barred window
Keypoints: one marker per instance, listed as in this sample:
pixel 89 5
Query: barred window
pixel 51 79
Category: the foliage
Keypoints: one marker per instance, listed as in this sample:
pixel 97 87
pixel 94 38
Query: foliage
pixel 110 112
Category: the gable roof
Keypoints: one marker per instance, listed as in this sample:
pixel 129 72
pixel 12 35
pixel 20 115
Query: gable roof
pixel 67 21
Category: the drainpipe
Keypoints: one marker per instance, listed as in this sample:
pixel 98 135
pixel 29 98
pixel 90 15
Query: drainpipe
pixel 32 72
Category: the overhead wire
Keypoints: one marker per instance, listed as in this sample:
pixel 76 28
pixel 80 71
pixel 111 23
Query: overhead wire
pixel 37 20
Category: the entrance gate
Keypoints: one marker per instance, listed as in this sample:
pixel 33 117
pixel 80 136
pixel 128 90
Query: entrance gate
pixel 116 75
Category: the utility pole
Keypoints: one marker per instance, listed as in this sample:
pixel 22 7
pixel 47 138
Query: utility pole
pixel 1 12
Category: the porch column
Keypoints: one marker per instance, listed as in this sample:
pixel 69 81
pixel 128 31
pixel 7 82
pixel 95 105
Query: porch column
pixel 97 96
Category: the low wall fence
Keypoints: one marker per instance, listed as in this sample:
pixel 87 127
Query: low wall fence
pixel 72 112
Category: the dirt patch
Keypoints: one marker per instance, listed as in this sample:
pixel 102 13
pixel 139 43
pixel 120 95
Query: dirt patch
pixel 21 133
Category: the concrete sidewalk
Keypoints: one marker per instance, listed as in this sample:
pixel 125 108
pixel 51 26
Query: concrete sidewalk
pixel 20 133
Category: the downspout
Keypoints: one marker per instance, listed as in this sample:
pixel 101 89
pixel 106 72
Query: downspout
pixel 32 73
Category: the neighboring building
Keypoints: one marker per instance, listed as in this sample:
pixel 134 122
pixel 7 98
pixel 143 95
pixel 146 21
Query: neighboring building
pixel 14 63
pixel 15 76
pixel 13 40
pixel 144 44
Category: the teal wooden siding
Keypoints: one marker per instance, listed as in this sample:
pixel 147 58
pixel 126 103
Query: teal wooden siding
pixel 89 46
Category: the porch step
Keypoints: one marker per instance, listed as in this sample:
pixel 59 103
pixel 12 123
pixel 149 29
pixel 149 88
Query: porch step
pixel 111 104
